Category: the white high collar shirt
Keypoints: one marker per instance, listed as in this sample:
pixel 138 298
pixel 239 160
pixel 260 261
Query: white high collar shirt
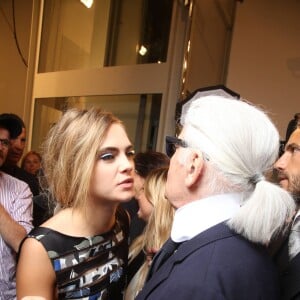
pixel 197 216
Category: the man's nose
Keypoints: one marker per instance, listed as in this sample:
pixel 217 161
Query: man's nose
pixel 281 163
pixel 18 144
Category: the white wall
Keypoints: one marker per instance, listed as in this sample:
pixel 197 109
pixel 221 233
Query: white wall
pixel 264 62
pixel 12 70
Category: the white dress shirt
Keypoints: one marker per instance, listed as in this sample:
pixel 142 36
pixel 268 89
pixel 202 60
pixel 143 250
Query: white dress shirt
pixel 197 216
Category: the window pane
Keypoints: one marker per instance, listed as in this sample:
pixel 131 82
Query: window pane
pixel 109 33
pixel 140 114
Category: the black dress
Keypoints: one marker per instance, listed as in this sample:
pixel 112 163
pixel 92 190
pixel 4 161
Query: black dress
pixel 87 267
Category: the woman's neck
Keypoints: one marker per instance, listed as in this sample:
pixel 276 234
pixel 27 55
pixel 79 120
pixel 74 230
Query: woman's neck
pixel 84 221
pixel 94 219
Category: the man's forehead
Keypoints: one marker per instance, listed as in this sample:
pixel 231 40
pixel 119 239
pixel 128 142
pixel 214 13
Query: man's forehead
pixel 182 132
pixel 4 133
pixel 295 137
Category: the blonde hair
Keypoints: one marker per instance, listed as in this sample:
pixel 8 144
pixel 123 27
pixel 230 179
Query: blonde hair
pixel 158 228
pixel 70 153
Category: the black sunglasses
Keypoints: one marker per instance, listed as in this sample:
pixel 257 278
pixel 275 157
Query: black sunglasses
pixel 172 143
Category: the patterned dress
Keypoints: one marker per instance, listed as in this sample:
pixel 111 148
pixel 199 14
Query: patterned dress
pixel 87 267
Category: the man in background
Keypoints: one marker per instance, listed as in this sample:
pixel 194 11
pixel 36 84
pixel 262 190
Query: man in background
pixel 15 153
pixel 15 213
pixel 288 172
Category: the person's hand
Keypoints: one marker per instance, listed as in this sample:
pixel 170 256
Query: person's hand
pixel 149 255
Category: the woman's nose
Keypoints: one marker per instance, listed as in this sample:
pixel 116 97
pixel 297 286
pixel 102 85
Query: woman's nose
pixel 127 163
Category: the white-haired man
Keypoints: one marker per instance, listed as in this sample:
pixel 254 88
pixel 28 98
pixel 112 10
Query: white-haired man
pixel 288 168
pixel 227 213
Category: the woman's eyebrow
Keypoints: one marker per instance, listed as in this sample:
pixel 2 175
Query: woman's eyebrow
pixel 111 148
pixel 108 149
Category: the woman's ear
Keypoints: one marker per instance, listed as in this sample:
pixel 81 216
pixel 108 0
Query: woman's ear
pixel 194 168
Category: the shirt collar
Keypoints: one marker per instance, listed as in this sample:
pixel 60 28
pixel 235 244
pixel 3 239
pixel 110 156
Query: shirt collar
pixel 197 216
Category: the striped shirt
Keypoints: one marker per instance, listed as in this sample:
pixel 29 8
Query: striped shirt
pixel 16 198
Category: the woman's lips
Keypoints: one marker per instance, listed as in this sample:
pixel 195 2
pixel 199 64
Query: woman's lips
pixel 127 183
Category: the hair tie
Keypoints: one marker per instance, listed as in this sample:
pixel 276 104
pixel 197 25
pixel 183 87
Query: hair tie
pixel 256 178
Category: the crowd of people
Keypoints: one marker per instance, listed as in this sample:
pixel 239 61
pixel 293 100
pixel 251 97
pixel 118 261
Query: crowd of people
pixel 215 217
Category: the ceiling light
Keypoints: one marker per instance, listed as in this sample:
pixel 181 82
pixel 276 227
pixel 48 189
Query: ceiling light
pixel 143 50
pixel 87 3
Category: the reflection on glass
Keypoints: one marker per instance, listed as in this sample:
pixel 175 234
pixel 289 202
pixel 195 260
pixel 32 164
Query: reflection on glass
pixel 140 114
pixel 109 33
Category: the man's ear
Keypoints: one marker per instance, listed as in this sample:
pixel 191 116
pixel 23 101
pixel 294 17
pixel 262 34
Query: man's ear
pixel 194 168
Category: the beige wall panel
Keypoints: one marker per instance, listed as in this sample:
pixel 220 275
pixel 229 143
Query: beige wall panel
pixel 265 57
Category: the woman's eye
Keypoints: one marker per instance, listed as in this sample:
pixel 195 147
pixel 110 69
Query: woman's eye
pixel 131 153
pixel 106 156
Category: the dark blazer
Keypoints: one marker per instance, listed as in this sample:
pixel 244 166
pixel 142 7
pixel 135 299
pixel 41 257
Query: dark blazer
pixel 289 272
pixel 217 264
pixel 290 280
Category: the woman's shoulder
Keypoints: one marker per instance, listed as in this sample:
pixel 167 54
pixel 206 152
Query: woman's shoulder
pixel 54 235
pixel 54 242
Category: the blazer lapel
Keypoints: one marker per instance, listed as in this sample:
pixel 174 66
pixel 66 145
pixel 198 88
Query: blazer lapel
pixel 217 232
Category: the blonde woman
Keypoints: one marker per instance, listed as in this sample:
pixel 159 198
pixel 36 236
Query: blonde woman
pixel 81 252
pixel 157 231
pixel 32 162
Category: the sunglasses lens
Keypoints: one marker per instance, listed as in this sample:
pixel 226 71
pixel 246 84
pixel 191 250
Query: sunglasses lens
pixel 170 148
